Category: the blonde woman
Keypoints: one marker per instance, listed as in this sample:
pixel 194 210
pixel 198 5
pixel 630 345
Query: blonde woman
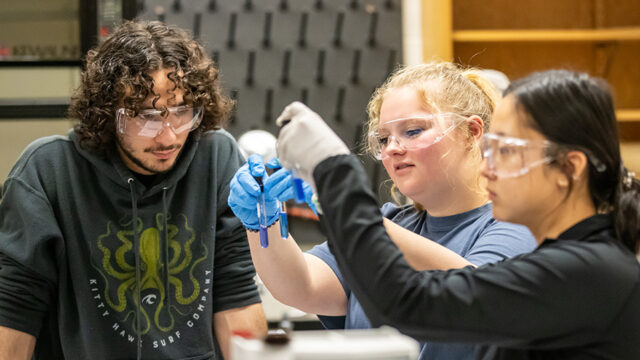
pixel 426 122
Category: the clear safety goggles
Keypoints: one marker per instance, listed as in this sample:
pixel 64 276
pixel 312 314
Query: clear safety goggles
pixel 412 133
pixel 151 123
pixel 509 157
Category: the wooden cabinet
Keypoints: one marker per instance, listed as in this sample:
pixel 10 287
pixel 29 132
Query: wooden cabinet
pixel 601 37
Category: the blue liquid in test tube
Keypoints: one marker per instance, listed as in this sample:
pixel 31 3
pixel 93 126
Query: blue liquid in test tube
pixel 284 224
pixel 298 188
pixel 264 237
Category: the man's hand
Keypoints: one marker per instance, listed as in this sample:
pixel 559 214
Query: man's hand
pixel 15 345
pixel 249 318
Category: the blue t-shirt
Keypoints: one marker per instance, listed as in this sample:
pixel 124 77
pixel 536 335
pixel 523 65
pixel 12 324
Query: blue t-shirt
pixel 474 235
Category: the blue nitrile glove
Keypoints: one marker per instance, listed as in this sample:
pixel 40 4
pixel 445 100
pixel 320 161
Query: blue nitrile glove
pixel 280 185
pixel 244 191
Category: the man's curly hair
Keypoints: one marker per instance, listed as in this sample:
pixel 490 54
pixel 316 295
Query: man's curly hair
pixel 117 75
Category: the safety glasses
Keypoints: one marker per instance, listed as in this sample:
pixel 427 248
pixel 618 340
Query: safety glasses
pixel 509 157
pixel 512 157
pixel 412 133
pixel 151 123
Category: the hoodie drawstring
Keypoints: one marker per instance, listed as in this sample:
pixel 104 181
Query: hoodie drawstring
pixel 136 246
pixel 166 247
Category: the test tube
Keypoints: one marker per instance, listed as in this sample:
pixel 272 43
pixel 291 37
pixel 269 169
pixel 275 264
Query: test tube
pixel 298 184
pixel 262 215
pixel 298 188
pixel 284 224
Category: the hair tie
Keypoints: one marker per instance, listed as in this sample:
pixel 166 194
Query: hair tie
pixel 627 179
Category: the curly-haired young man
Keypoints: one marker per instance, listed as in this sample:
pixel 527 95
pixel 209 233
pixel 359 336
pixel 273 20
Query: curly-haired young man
pixel 116 241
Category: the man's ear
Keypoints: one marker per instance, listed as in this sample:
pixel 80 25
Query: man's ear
pixel 576 165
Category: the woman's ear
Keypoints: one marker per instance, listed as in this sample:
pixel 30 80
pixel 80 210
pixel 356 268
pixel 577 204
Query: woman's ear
pixel 576 163
pixel 475 126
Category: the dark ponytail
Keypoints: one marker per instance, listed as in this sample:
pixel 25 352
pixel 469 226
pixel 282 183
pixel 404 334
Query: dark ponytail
pixel 576 111
pixel 627 209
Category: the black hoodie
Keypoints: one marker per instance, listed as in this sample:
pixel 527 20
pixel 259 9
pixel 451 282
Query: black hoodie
pixel 72 275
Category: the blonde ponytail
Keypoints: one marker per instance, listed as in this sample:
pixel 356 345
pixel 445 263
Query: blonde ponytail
pixel 486 87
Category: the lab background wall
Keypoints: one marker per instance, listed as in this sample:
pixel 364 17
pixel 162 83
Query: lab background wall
pixel 32 84
pixel 454 30
pixel 30 30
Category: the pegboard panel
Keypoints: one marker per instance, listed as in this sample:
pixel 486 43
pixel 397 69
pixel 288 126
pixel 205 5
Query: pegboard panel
pixel 330 55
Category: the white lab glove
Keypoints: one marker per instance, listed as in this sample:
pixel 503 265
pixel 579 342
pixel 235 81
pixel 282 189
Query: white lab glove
pixel 305 140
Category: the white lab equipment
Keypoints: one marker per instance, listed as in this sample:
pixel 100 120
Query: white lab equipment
pixel 258 142
pixel 371 344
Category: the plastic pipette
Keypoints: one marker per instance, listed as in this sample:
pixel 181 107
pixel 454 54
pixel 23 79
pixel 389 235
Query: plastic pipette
pixel 262 215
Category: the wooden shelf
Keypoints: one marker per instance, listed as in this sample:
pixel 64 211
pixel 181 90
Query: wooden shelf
pixel 601 37
pixel 610 34
pixel 628 115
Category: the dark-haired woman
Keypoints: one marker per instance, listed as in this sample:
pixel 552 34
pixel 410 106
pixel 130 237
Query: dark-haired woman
pixel 553 164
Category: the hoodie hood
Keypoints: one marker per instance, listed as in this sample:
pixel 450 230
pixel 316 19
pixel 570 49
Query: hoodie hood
pixel 106 164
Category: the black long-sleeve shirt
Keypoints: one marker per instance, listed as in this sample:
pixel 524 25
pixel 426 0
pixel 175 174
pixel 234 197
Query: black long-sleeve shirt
pixel 574 297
